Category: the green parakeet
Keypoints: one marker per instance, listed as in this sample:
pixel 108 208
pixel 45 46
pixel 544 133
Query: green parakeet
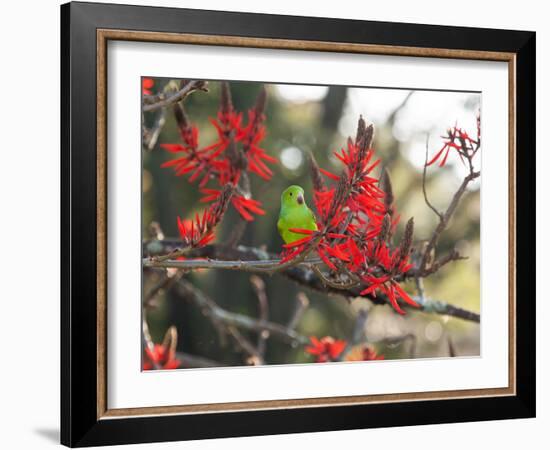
pixel 294 214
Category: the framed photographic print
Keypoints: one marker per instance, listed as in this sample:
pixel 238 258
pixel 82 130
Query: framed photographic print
pixel 277 224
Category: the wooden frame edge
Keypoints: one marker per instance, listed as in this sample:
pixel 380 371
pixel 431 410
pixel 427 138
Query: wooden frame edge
pixel 103 35
pixel 303 403
pixel 512 270
pixel 290 44
pixel 101 190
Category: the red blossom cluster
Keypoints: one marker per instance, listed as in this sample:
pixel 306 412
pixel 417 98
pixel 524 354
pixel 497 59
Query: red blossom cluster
pixel 146 85
pixel 228 160
pixel 200 232
pixel 325 349
pixel 160 357
pixel 458 139
pixel 328 349
pixel 355 221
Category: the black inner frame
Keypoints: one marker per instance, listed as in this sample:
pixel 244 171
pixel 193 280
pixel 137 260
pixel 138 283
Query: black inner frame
pixel 79 424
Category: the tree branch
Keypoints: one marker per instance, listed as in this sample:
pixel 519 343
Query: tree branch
pixel 154 102
pixel 433 208
pixel 445 218
pixel 215 312
pixel 259 288
pixel 257 260
pixel 150 136
pixel 302 303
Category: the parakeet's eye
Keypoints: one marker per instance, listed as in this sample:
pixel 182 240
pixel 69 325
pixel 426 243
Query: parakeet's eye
pixel 290 194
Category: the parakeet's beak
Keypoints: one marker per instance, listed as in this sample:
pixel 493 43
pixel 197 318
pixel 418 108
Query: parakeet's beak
pixel 300 199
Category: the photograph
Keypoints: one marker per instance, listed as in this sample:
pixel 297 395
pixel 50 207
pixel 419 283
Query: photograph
pixel 296 224
pixel 286 224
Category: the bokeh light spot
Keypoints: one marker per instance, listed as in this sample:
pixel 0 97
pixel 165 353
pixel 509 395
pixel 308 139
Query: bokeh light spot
pixel 292 158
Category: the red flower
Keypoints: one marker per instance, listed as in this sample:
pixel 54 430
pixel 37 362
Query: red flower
pixel 146 85
pixel 160 357
pixel 353 223
pixel 237 149
pixel 457 139
pixel 196 233
pixel 247 206
pixel 363 353
pixel 326 349
pixel 200 232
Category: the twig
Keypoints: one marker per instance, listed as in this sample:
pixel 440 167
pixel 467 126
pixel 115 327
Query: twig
pixel 453 255
pixel 152 103
pixel 259 288
pixel 334 284
pixel 302 303
pixel 433 208
pixel 358 334
pixel 165 283
pixel 391 117
pixel 217 313
pixel 446 309
pixel 452 349
pixel 223 326
pixel 150 136
pixel 445 218
pixel 147 340
pixel 254 357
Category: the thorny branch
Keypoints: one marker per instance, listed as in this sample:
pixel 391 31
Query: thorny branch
pixel 216 313
pixel 444 221
pixel 162 100
pixel 252 258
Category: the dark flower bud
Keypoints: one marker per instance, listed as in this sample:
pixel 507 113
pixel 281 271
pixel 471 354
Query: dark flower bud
pixel 386 186
pixel 226 105
pixel 261 100
pixel 406 242
pixel 385 228
pixel 361 127
pixel 316 177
